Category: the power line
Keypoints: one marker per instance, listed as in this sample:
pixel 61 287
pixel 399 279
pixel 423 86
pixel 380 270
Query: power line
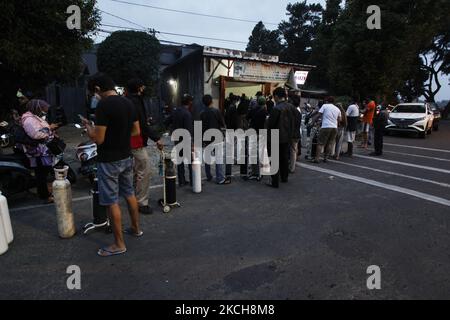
pixel 123 19
pixel 175 34
pixel 160 40
pixel 191 12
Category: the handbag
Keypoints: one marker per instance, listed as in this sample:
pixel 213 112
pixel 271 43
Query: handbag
pixel 56 146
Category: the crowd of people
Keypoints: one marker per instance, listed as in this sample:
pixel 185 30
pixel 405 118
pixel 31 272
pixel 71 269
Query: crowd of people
pixel 336 125
pixel 122 131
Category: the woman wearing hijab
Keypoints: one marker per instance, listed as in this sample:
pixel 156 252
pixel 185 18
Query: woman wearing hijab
pixel 40 157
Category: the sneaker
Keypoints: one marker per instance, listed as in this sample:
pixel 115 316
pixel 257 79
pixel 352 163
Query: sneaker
pixel 146 210
pixel 253 178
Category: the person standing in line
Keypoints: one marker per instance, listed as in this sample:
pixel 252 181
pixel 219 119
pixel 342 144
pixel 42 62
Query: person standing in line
pixel 368 112
pixel 296 143
pixel 212 119
pixel 270 104
pixel 257 119
pixel 116 124
pixel 282 119
pixel 352 126
pixel 182 119
pixel 380 122
pixel 242 124
pixel 139 144
pixel 331 116
pixel 341 133
pixel 232 121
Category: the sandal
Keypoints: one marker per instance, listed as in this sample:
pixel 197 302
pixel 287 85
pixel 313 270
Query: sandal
pixel 106 252
pixel 131 232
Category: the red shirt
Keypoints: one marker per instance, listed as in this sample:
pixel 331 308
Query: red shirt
pixel 137 142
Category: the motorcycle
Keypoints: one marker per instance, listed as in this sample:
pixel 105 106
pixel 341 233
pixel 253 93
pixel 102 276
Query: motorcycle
pixel 6 138
pixel 16 176
pixel 86 153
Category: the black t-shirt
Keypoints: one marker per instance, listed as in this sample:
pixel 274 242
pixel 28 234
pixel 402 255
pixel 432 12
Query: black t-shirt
pixel 118 115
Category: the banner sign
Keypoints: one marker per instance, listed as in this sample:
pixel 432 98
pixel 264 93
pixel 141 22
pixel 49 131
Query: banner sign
pixel 301 77
pixel 261 72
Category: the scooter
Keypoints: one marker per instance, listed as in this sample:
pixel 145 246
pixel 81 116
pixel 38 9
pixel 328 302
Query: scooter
pixel 16 176
pixel 87 154
pixel 6 138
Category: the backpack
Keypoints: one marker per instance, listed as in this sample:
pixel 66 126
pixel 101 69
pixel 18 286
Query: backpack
pixel 21 137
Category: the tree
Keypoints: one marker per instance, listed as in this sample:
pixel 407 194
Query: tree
pixel 436 61
pixel 264 41
pixel 300 31
pixel 414 85
pixel 322 44
pixel 383 62
pixel 130 54
pixel 36 47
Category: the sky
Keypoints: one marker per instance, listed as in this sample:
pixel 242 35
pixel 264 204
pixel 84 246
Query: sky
pixel 270 11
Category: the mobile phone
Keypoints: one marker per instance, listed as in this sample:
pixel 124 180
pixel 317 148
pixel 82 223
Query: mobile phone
pixel 83 119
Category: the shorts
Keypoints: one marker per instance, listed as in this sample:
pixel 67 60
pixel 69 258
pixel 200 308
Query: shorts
pixel 327 136
pixel 351 136
pixel 115 179
pixel 366 127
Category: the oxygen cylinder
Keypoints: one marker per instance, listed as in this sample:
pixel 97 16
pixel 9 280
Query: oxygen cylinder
pixel 171 182
pixel 4 215
pixel 62 193
pixel 3 240
pixel 99 212
pixel 197 173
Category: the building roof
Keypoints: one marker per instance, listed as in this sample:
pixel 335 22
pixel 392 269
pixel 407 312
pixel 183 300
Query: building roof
pixel 250 56
pixel 231 54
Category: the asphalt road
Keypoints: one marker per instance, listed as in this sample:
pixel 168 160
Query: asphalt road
pixel 312 239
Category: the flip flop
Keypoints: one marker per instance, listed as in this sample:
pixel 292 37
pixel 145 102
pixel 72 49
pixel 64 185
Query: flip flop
pixel 105 253
pixel 131 232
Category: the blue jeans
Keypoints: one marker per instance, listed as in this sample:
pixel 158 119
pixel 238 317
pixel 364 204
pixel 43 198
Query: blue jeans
pixel 219 172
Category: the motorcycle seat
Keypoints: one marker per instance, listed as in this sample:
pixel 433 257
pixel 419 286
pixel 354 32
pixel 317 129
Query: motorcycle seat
pixel 86 144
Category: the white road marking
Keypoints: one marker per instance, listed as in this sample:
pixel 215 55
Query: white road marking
pixel 441 184
pixel 420 195
pixel 417 156
pixel 82 199
pixel 418 148
pixel 404 164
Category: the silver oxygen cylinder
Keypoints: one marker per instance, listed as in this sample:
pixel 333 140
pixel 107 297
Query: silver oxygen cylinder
pixel 197 173
pixel 3 240
pixel 62 193
pixel 4 215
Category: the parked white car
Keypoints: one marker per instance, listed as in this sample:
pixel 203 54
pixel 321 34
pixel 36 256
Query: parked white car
pixel 411 117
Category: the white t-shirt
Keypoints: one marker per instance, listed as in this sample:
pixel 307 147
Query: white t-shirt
pixel 353 111
pixel 330 117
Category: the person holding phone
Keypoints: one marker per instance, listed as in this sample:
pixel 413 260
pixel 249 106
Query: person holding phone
pixel 116 123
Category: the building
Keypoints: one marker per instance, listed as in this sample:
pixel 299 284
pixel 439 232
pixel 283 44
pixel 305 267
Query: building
pixel 219 72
